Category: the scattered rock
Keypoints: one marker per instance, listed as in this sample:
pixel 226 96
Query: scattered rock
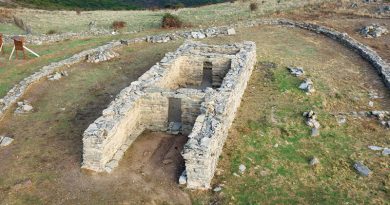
pixel 375 148
pixel 5 141
pixel 371 104
pixel 217 189
pixel 242 168
pixel 198 35
pixel 101 56
pixel 311 121
pixel 314 161
pixel 307 86
pixel 386 152
pixel 296 71
pixel 362 169
pixel 315 132
pixel 231 31
pixel 57 75
pixel 23 107
pixel 341 119
pixel 373 31
pixel 385 9
pixel 183 178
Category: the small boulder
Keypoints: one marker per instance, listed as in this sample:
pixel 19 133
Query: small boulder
pixel 231 31
pixel 183 178
pixel 362 169
pixel 242 168
pixel 373 31
pixel 315 132
pixel 307 86
pixel 375 148
pixel 296 71
pixel 217 189
pixel 5 141
pixel 386 152
pixel 314 161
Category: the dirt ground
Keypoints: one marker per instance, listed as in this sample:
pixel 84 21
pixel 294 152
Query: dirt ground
pixel 42 166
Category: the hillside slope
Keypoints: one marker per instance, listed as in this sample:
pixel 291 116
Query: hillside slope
pixel 111 4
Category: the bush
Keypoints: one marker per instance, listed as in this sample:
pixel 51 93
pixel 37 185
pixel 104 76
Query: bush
pixel 51 32
pixel 253 6
pixel 171 21
pixel 78 11
pixel 117 25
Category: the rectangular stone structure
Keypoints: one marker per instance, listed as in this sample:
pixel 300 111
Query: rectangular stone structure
pixel 206 112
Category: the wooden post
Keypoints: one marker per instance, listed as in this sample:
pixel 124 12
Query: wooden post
pixel 18 42
pixel 1 43
pixel 18 46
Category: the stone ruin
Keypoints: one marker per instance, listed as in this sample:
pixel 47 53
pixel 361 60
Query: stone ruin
pixel 195 91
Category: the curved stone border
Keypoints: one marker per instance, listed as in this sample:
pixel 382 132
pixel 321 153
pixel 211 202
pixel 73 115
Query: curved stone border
pixel 18 90
pixel 364 51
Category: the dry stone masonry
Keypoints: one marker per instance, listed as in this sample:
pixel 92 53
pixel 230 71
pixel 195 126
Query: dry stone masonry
pixel 95 55
pixel 195 90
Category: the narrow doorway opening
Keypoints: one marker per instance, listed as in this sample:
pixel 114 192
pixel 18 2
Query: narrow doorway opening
pixel 207 80
pixel 174 115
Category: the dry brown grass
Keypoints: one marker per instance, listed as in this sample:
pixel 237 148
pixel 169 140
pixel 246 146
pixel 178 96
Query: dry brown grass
pixel 6 15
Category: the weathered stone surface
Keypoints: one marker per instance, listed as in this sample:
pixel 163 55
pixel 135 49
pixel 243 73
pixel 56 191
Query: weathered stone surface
pixel 5 141
pixel 307 86
pixel 373 31
pixel 375 148
pixel 242 168
pixel 362 169
pixel 314 161
pixel 23 107
pixel 206 116
pixel 296 71
pixel 386 152
pixel 101 56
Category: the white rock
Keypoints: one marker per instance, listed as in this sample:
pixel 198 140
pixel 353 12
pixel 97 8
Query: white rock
pixel 5 141
pixel 386 152
pixel 314 161
pixel 217 189
pixel 27 108
pixel 375 148
pixel 183 178
pixel 231 31
pixel 242 168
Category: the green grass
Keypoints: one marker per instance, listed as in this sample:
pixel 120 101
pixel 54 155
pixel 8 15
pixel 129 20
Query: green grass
pixel 205 16
pixel 9 28
pixel 276 154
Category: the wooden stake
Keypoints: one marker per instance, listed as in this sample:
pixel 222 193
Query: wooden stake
pixel 29 50
pixel 12 53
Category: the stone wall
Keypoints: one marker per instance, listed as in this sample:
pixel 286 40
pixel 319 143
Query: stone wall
pixel 364 51
pixel 19 89
pixel 211 128
pixel 145 104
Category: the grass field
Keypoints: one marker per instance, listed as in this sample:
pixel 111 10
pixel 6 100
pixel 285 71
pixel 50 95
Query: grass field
pixel 219 14
pixel 47 147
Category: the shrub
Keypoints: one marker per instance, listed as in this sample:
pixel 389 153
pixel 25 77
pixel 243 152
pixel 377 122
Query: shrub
pixel 253 6
pixel 78 11
pixel 51 32
pixel 117 25
pixel 171 21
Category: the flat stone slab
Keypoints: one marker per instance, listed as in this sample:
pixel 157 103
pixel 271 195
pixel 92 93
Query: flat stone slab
pixel 362 169
pixel 5 141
